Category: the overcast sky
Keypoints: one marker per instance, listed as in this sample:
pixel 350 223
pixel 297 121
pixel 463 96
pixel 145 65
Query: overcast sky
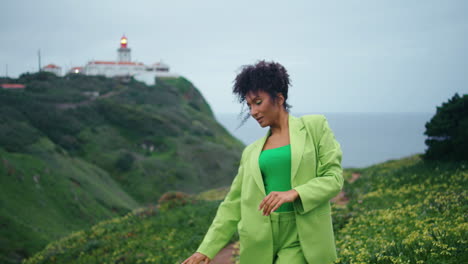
pixel 342 56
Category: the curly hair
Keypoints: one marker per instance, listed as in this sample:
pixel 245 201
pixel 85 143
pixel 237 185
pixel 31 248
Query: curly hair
pixel 270 77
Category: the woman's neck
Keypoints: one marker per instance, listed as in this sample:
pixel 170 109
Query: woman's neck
pixel 282 124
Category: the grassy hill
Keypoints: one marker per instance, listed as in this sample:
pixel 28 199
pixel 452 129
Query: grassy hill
pixel 44 198
pixel 405 211
pixel 400 211
pixel 143 236
pixel 70 159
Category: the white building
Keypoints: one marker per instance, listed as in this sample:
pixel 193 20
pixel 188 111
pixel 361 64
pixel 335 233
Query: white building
pixel 125 67
pixel 113 68
pixel 53 69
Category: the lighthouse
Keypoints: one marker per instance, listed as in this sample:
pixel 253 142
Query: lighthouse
pixel 125 67
pixel 124 51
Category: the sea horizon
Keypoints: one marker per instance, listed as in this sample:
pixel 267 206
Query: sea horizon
pixel 366 138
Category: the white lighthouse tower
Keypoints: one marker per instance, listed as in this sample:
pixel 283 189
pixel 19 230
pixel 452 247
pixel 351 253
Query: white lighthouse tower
pixel 123 51
pixel 125 67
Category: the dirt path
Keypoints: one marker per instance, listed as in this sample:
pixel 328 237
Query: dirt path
pixel 341 198
pixel 225 255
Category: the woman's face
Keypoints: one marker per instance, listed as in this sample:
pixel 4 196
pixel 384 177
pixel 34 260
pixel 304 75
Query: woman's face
pixel 262 107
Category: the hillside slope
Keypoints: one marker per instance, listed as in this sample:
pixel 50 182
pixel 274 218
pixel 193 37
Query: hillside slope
pixel 405 211
pixel 400 211
pixel 71 158
pixel 44 197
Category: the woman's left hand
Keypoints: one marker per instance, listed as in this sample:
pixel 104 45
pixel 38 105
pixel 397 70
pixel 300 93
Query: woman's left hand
pixel 275 199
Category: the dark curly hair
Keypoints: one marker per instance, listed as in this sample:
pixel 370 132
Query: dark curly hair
pixel 270 77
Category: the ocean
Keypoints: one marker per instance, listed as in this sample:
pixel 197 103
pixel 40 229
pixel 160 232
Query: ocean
pixel 365 138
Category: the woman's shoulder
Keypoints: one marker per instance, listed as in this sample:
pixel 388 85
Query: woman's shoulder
pixel 316 124
pixel 249 147
pixel 313 118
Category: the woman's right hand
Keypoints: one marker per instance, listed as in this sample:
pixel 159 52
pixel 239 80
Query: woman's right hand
pixel 196 258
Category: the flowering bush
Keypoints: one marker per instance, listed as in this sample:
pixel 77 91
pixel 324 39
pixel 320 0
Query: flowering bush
pixel 142 236
pixel 410 212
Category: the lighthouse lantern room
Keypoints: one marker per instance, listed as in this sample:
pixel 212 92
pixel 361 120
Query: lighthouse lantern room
pixel 123 51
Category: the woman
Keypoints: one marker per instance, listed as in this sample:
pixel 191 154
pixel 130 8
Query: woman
pixel 279 200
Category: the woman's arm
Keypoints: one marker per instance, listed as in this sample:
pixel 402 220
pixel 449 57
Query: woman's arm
pixel 329 180
pixel 227 217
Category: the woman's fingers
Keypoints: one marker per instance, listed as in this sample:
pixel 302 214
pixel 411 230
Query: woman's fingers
pixel 270 208
pixel 272 201
pixel 276 207
pixel 267 207
pixel 196 258
pixel 188 261
pixel 265 201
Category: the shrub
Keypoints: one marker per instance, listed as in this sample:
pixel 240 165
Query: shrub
pixel 125 161
pixel 171 200
pixel 447 131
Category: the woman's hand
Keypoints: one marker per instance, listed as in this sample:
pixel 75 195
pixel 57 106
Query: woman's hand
pixel 196 258
pixel 275 199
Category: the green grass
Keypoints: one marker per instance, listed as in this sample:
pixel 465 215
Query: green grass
pixel 410 212
pixel 143 236
pixel 405 211
pixel 45 197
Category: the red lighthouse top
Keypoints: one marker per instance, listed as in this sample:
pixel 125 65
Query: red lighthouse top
pixel 123 42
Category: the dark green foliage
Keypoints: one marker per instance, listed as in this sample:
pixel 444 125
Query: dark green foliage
pixel 137 122
pixel 143 236
pixel 125 161
pixel 447 131
pixel 60 127
pixel 37 108
pixel 404 211
pixel 187 92
pixel 15 132
pixel 100 156
pixel 40 76
pixel 47 87
pixel 47 195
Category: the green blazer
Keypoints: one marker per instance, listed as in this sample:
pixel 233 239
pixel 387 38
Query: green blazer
pixel 316 174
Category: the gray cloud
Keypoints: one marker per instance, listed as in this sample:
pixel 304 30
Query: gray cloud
pixel 343 56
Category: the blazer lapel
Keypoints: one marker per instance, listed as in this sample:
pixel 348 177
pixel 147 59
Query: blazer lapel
pixel 297 136
pixel 297 139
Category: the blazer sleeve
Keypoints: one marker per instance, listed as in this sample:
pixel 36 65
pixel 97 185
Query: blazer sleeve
pixel 226 219
pixel 329 180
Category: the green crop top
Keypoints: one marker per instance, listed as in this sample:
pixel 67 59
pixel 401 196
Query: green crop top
pixel 275 165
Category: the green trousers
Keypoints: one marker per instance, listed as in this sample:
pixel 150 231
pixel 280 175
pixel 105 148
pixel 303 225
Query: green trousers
pixel 286 246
